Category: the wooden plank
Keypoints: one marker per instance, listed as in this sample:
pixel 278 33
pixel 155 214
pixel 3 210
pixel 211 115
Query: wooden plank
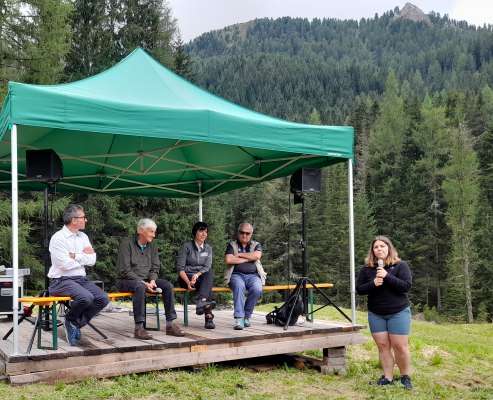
pixel 245 350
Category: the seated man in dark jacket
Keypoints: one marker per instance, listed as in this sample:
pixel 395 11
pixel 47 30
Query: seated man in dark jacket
pixel 139 265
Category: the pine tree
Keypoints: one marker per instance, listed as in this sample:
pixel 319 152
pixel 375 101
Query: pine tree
pixel 461 190
pixel 432 138
pixel 182 63
pixel 386 143
pixel 50 40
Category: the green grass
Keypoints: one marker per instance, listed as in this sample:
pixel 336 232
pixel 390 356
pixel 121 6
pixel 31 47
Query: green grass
pixel 450 361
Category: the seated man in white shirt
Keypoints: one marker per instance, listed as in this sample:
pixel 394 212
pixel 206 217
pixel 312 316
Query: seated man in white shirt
pixel 71 252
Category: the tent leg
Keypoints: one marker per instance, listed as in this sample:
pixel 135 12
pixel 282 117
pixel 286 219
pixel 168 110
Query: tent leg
pixel 200 209
pixel 15 244
pixel 201 215
pixel 351 240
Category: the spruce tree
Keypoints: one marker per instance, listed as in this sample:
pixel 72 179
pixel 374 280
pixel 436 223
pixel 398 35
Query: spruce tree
pixel 461 191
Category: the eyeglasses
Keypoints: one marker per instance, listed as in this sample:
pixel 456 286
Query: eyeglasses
pixel 84 217
pixel 244 233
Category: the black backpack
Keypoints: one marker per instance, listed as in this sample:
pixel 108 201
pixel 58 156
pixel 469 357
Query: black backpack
pixel 279 315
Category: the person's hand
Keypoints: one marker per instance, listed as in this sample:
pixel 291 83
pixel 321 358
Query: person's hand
pixel 153 284
pixel 381 273
pixel 378 281
pixel 71 255
pixel 190 286
pixel 88 250
pixel 194 279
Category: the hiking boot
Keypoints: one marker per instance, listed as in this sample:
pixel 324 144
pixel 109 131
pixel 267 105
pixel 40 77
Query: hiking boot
pixel 142 334
pixel 209 323
pixel 71 332
pixel 246 323
pixel 202 305
pixel 174 330
pixel 384 381
pixel 406 382
pixel 239 324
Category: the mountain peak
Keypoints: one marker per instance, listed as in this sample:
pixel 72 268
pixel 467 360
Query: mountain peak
pixel 413 13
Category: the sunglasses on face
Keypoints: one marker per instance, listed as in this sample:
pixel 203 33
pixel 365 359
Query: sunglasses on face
pixel 244 233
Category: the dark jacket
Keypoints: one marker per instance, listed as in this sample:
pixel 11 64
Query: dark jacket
pixel 192 260
pixel 135 263
pixel 391 297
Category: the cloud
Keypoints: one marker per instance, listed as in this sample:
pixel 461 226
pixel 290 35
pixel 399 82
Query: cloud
pixel 476 12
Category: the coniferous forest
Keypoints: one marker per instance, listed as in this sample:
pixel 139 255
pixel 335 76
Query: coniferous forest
pixel 419 94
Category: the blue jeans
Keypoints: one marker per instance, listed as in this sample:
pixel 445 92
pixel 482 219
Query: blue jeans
pixel 253 285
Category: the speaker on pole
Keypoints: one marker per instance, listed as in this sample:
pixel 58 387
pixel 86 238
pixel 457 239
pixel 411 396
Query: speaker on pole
pixel 43 165
pixel 306 180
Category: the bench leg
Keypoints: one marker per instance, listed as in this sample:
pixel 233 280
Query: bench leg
pixel 158 322
pixel 35 330
pixel 334 361
pixel 54 327
pixel 155 300
pixel 310 305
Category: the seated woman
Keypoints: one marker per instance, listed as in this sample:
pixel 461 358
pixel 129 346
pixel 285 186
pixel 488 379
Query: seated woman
pixel 194 266
pixel 386 280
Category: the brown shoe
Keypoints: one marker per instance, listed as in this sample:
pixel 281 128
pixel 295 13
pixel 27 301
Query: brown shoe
pixel 174 330
pixel 141 333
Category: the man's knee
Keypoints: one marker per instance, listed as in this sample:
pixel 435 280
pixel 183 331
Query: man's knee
pixel 84 299
pixel 139 290
pixel 164 285
pixel 102 299
pixel 257 291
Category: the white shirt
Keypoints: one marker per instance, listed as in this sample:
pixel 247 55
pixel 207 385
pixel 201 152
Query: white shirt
pixel 64 242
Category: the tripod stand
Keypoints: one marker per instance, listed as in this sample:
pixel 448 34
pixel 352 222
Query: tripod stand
pixel 298 293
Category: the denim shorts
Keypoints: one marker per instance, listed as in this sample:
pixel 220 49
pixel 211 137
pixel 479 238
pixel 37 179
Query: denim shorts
pixel 395 324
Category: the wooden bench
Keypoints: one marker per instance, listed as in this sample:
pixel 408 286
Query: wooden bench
pixel 49 305
pixel 273 288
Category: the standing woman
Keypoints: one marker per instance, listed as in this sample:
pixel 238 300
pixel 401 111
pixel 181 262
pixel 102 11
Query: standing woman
pixel 386 280
pixel 194 266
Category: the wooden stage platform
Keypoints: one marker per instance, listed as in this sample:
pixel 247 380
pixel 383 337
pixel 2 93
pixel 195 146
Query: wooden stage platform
pixel 122 354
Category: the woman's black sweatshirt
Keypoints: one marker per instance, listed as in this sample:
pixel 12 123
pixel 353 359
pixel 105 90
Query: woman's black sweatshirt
pixel 391 297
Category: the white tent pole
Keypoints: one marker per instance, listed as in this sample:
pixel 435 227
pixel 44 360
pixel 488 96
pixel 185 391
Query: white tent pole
pixel 201 215
pixel 351 240
pixel 15 245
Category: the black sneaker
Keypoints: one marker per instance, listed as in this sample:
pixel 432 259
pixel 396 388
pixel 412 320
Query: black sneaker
pixel 202 305
pixel 384 381
pixel 406 382
pixel 209 323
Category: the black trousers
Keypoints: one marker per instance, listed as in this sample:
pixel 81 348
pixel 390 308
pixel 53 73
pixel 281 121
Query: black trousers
pixel 203 285
pixel 139 301
pixel 87 298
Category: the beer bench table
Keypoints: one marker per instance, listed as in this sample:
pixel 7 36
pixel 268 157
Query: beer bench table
pixel 49 305
pixel 273 288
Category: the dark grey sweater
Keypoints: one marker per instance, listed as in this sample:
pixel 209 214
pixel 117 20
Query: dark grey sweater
pixel 192 260
pixel 135 263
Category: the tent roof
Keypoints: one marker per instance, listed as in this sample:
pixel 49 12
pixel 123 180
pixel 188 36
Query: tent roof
pixel 138 128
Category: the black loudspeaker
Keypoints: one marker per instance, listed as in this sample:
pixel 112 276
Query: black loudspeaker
pixel 306 180
pixel 43 165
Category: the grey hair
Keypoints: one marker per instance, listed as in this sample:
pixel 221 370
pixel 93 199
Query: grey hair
pixel 71 212
pixel 146 223
pixel 244 224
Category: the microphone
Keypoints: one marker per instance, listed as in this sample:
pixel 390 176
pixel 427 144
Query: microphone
pixel 380 263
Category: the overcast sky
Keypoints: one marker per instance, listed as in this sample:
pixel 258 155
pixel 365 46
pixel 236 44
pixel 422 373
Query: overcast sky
pixel 199 16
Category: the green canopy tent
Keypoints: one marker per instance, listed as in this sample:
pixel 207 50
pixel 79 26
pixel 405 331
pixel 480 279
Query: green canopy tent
pixel 138 128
